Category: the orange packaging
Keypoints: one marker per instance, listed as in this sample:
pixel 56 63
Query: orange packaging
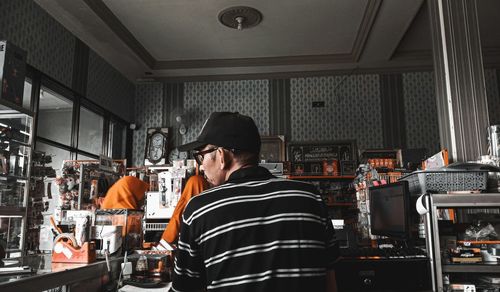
pixel 330 167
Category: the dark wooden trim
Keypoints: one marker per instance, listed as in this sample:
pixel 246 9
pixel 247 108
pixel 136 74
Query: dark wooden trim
pixel 422 9
pixel 365 27
pixel 279 108
pixel 35 100
pixel 106 15
pixel 393 111
pixel 285 75
pixel 80 67
pixel 254 62
pixel 129 154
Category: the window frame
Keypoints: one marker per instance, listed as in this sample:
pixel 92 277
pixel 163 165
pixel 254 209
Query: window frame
pixel 38 80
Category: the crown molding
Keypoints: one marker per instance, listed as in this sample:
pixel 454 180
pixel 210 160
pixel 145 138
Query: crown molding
pixel 366 24
pixel 108 17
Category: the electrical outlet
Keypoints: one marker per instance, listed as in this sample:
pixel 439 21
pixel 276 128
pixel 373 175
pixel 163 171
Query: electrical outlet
pixel 318 104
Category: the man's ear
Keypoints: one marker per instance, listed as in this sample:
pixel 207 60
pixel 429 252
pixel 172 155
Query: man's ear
pixel 224 159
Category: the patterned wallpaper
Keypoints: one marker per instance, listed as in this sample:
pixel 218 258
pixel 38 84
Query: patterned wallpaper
pixel 148 114
pixel 108 88
pixel 49 45
pixel 422 129
pixel 249 97
pixel 352 109
pixel 490 78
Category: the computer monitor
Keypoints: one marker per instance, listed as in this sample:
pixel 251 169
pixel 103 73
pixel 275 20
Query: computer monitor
pixel 389 210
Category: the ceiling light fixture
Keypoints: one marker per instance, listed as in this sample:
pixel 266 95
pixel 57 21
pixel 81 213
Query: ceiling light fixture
pixel 240 17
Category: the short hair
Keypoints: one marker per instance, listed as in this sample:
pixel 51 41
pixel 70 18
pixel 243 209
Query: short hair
pixel 241 156
pixel 246 158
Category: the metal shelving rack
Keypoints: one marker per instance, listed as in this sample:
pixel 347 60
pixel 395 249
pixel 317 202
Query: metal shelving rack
pixel 449 201
pixel 20 121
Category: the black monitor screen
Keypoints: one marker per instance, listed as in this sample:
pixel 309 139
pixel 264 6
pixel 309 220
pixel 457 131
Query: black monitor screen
pixel 389 210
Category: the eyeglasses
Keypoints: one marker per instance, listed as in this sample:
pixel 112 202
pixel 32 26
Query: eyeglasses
pixel 198 156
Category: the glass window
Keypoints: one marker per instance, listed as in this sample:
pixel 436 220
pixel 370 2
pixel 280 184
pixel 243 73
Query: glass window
pixel 118 135
pixel 90 134
pixel 57 154
pixel 84 157
pixel 54 117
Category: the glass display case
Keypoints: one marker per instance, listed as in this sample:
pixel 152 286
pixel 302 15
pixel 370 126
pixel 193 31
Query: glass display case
pixel 15 157
pixel 462 240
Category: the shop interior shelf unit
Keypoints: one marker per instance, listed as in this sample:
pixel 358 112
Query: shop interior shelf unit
pixel 339 195
pixel 452 201
pixel 16 124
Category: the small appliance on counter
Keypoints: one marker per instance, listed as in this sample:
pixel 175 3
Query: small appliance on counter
pixel 131 222
pixel 107 238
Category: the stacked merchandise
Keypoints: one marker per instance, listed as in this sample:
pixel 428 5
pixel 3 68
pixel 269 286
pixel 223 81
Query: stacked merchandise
pixel 39 179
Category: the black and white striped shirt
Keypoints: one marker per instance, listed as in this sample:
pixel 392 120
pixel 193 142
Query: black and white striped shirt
pixel 256 232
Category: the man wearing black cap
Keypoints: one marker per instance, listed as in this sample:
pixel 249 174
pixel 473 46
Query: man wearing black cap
pixel 253 231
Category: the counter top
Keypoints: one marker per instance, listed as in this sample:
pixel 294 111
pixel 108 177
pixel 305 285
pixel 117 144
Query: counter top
pixel 46 275
pixel 129 288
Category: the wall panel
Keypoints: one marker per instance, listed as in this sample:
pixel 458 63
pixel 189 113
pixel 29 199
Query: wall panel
pixel 352 109
pixel 421 118
pixel 108 88
pixel 49 45
pixel 148 114
pixel 249 97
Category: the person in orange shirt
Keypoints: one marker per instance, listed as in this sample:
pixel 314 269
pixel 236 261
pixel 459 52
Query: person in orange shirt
pixel 127 193
pixel 194 185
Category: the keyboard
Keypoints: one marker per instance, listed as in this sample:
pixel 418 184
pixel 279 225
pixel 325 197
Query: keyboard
pixel 383 253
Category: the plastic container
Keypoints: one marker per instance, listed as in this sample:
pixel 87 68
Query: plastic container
pixel 442 181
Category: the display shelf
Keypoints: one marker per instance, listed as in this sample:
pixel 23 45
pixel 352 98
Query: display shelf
pixel 487 267
pixel 435 202
pixel 12 211
pixel 479 241
pixel 16 126
pixel 459 200
pixel 22 179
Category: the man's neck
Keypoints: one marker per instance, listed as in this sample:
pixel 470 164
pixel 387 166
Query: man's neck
pixel 235 167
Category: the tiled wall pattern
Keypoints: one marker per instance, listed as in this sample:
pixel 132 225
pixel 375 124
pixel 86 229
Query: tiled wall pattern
pixel 352 109
pixel 108 88
pixel 148 114
pixel 422 129
pixel 249 97
pixel 49 45
pixel 490 78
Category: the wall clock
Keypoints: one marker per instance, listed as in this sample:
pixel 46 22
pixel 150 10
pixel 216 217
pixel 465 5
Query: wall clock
pixel 156 152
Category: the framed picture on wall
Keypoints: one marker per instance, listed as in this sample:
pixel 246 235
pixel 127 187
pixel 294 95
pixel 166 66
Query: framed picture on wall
pixel 157 141
pixel 320 151
pixel 322 158
pixel 348 167
pixel 272 148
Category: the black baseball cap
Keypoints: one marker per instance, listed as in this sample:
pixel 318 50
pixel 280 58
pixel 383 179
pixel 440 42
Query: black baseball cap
pixel 228 130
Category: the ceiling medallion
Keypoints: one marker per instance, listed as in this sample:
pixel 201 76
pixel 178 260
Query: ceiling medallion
pixel 240 17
